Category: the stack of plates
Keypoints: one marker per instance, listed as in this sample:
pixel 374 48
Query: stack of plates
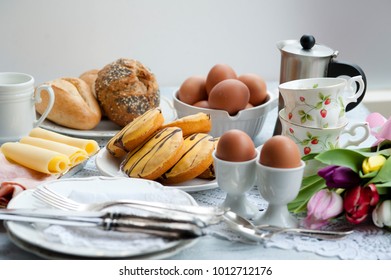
pixel 30 237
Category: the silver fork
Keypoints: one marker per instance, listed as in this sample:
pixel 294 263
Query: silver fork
pixel 207 215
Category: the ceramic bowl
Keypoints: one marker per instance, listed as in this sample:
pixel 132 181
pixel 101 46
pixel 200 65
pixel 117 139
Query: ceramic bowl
pixel 249 120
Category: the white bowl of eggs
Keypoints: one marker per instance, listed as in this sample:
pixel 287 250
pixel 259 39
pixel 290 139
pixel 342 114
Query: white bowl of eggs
pixel 233 102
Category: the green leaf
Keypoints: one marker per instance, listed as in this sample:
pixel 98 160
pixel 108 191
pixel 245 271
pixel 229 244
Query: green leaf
pixel 315 86
pixel 384 189
pixel 303 119
pixel 342 157
pixel 368 175
pixel 309 156
pixel 319 105
pixel 384 174
pixel 384 145
pixel 301 113
pixel 321 96
pixel 331 145
pixel 309 117
pixel 309 186
pixel 309 135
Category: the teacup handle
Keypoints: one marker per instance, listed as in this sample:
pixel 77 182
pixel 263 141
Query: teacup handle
pixel 37 99
pixel 355 96
pixel 352 131
pixel 337 69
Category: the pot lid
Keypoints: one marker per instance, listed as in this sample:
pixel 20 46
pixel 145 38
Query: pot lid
pixel 306 47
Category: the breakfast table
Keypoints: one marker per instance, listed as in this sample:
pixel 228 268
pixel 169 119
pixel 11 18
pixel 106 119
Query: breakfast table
pixel 366 242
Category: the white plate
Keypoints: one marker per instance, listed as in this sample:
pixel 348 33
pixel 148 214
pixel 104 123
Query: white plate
pixel 110 166
pixel 30 237
pixel 106 128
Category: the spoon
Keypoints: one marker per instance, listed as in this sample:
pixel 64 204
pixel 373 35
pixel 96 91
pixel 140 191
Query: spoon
pixel 262 232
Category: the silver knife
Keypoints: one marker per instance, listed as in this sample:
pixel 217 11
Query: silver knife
pixel 165 227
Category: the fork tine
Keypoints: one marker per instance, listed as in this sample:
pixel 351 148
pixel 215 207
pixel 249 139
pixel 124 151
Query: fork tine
pixel 53 199
pixel 59 197
pixel 50 201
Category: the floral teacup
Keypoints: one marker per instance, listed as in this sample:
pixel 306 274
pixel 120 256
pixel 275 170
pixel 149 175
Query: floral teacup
pixel 319 102
pixel 314 140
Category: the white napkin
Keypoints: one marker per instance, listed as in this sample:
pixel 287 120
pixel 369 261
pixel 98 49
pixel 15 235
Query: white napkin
pixel 110 241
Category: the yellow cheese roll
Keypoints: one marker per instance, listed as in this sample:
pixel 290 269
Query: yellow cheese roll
pixel 90 146
pixel 75 155
pixel 36 158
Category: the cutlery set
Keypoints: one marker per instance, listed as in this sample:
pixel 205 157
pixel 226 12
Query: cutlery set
pixel 160 219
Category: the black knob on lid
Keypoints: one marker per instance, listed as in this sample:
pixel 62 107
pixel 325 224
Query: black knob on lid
pixel 307 41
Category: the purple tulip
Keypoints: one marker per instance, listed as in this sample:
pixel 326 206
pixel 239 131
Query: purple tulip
pixel 323 206
pixel 339 176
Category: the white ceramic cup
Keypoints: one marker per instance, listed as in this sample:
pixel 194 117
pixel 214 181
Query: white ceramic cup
pixel 314 140
pixel 236 178
pixel 17 105
pixel 278 186
pixel 319 102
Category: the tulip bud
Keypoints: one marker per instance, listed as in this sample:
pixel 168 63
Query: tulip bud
pixel 381 215
pixel 322 206
pixel 359 201
pixel 373 163
pixel 339 176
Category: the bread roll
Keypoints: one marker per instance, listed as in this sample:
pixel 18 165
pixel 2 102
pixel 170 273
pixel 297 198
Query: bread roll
pixel 125 90
pixel 89 77
pixel 74 105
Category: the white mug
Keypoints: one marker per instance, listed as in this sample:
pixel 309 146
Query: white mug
pixel 17 105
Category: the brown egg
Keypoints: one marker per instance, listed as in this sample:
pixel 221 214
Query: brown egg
pixel 257 87
pixel 218 73
pixel 230 95
pixel 193 90
pixel 280 152
pixel 235 145
pixel 202 104
pixel 249 105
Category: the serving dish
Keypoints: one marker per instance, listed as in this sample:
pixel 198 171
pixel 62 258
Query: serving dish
pixel 106 128
pixel 249 120
pixel 110 166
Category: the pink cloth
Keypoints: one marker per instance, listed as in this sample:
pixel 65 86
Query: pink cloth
pixel 15 178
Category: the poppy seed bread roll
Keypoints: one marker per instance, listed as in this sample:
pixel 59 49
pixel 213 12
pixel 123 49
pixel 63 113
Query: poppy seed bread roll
pixel 125 90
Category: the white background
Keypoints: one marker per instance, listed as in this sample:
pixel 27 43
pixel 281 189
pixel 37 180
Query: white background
pixel 178 38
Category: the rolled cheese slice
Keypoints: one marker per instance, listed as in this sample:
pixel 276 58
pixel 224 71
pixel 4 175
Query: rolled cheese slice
pixel 90 146
pixel 36 158
pixel 75 155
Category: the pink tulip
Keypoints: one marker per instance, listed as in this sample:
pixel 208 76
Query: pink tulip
pixel 359 202
pixel 323 206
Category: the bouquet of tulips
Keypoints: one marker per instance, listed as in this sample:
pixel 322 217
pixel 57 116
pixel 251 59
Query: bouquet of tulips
pixel 355 184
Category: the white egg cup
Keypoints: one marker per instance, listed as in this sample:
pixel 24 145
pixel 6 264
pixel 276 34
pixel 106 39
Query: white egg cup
pixel 237 178
pixel 278 186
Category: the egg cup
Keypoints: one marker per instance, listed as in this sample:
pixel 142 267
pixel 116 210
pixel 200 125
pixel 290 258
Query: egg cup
pixel 278 186
pixel 236 178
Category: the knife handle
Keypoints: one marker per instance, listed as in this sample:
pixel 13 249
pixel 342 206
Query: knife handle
pixel 171 230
